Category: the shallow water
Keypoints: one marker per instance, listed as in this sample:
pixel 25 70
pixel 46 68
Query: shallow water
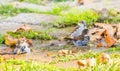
pixel 44 51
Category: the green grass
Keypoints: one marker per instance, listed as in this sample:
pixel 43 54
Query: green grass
pixel 113 16
pixel 78 56
pixel 59 0
pixel 42 2
pixel 42 35
pixel 57 9
pixel 104 67
pixel 10 10
pixel 115 66
pixel 1 39
pixel 114 49
pixel 72 17
pixel 67 58
pixel 66 18
pixel 21 65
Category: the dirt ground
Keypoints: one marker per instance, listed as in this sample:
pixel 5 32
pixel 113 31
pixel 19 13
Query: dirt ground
pixel 12 23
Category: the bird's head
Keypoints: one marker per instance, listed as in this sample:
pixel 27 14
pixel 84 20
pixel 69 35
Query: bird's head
pixel 81 24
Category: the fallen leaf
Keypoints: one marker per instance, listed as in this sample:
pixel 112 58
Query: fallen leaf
pixel 104 34
pixel 110 41
pixel 82 64
pixel 66 52
pixel 118 31
pixel 118 41
pixel 10 41
pixel 95 33
pixel 79 2
pixel 99 45
pixel 104 58
pixel 91 62
pixel 23 28
pixel 86 63
pixel 106 40
pixel 83 1
pixel 48 54
pixel 101 42
pixel 108 27
pixel 29 41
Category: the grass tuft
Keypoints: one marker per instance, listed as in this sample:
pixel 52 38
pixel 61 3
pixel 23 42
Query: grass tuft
pixel 10 10
pixel 2 39
pixel 72 17
pixel 32 35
